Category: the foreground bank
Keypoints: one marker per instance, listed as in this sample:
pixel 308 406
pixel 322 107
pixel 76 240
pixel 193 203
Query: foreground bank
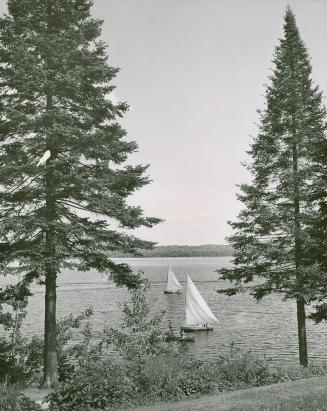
pixel 308 394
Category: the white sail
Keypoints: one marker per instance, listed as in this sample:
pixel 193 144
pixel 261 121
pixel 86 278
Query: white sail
pixel 196 309
pixel 172 282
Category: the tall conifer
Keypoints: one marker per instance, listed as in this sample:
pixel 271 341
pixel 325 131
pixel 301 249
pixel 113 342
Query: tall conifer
pixel 274 235
pixel 54 85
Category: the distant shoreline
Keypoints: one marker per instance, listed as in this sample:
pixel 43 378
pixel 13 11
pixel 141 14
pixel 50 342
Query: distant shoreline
pixel 206 250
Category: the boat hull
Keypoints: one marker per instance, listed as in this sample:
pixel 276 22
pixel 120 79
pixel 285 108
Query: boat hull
pixel 191 328
pixel 179 339
pixel 172 292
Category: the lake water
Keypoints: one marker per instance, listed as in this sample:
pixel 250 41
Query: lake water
pixel 267 328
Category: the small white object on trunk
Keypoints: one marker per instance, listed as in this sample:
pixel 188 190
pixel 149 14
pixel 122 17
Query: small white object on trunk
pixel 44 158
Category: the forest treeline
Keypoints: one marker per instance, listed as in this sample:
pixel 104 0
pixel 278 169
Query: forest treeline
pixel 206 250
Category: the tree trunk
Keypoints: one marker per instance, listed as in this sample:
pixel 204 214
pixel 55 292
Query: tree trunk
pixel 300 303
pixel 50 352
pixel 50 378
pixel 303 354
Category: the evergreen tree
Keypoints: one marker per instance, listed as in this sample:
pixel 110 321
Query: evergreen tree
pixel 275 235
pixel 55 81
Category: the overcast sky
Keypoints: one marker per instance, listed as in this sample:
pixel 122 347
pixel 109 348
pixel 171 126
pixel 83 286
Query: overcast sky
pixel 193 72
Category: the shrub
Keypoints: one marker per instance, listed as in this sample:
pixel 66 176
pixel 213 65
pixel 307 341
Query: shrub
pixel 166 377
pixel 141 336
pixel 198 379
pixel 280 374
pixel 235 369
pixel 24 362
pixel 94 386
pixel 178 377
pixel 10 369
pixel 13 302
pixel 21 360
pixel 105 384
pixel 161 377
pixel 68 354
pixel 172 376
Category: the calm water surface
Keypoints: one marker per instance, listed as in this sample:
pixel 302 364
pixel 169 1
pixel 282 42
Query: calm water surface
pixel 267 328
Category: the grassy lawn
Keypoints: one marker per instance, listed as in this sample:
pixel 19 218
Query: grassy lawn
pixel 310 402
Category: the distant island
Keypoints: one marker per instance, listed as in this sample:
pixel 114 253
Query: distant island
pixel 206 250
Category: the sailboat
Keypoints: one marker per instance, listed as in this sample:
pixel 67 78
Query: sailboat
pixel 198 314
pixel 173 285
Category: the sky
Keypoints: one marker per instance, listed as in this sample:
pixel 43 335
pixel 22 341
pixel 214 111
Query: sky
pixel 193 72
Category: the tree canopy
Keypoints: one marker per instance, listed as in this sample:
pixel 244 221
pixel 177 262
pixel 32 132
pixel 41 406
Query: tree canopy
pixel 275 237
pixel 56 87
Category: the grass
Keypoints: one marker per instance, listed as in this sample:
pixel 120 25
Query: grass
pixel 11 399
pixel 310 402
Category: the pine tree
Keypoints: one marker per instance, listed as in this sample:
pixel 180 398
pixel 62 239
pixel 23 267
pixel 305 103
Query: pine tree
pixel 275 236
pixel 55 81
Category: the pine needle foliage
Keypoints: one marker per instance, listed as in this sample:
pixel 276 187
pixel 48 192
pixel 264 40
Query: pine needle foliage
pixel 90 178
pixel 55 85
pixel 275 235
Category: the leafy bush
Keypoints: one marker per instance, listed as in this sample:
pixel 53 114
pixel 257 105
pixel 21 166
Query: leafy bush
pixel 68 354
pixel 10 369
pixel 281 374
pixel 101 384
pixel 168 377
pixel 13 302
pixel 143 337
pixel 198 379
pixel 236 369
pixel 174 377
pixel 21 360
pixel 107 384
pixel 95 386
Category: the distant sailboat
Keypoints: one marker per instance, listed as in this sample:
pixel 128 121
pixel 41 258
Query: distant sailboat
pixel 198 314
pixel 173 285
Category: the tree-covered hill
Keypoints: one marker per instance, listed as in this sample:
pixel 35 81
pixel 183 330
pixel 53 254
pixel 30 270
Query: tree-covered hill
pixel 207 250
